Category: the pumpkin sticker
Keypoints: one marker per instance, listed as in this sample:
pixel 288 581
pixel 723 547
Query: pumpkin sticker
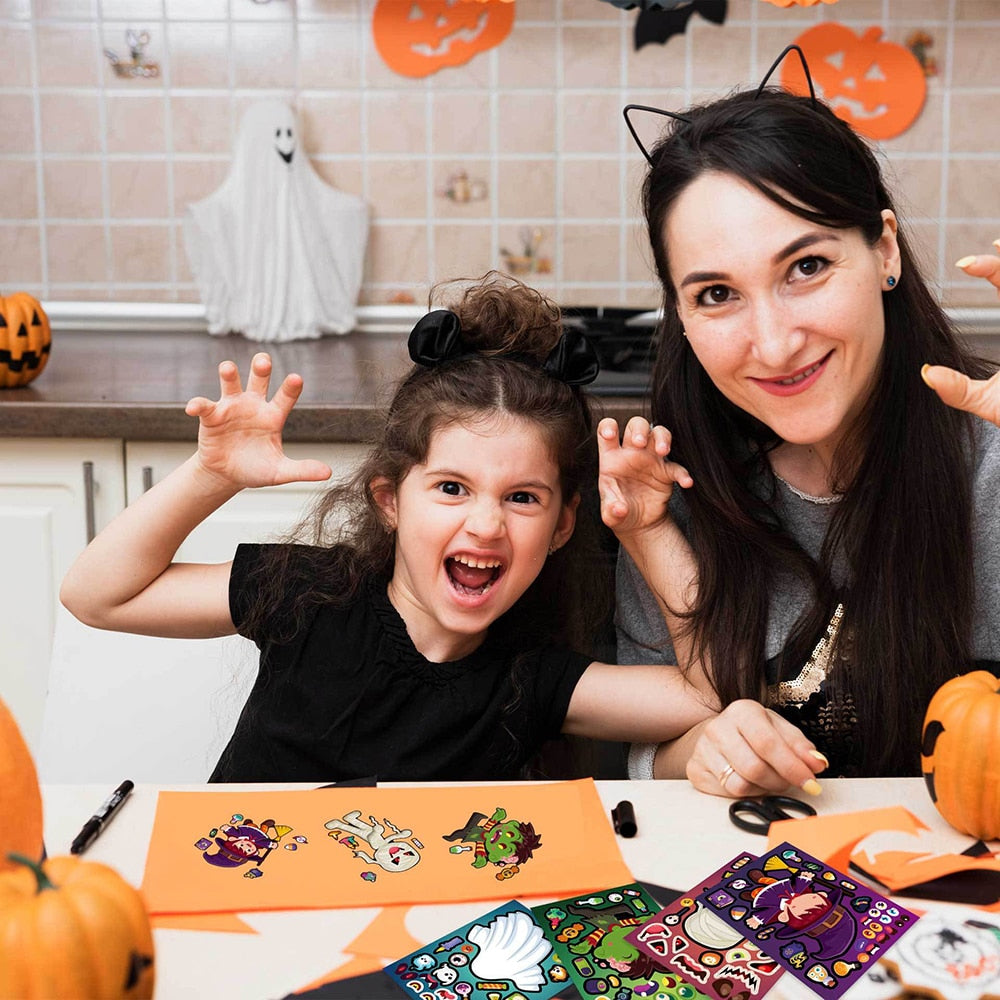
pixel 877 87
pixel 419 37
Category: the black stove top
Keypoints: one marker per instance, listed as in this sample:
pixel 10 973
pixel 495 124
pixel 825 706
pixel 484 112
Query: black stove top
pixel 624 339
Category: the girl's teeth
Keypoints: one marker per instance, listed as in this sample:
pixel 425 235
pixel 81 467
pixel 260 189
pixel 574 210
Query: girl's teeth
pixel 801 376
pixel 478 563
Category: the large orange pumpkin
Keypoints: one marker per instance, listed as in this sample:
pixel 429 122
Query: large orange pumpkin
pixel 20 796
pixel 25 339
pixel 877 87
pixel 960 753
pixel 419 37
pixel 73 929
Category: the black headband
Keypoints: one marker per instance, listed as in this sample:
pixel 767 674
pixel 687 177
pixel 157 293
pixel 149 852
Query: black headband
pixel 437 337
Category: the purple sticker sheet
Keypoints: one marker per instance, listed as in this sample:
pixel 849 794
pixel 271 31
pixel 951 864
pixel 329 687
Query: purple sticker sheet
pixel 689 939
pixel 820 925
pixel 590 933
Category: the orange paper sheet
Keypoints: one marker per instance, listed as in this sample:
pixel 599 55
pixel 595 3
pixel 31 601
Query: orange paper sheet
pixel 229 923
pixel 232 852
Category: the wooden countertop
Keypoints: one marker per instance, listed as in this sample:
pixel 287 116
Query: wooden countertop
pixel 134 385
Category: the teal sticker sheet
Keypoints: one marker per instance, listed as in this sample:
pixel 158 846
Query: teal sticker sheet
pixel 591 934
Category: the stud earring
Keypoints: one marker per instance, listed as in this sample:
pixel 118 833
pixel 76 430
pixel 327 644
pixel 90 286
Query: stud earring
pixel 553 548
pixel 891 281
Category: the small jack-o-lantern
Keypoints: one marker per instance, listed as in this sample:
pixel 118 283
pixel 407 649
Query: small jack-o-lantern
pixel 419 37
pixel 960 753
pixel 877 87
pixel 25 339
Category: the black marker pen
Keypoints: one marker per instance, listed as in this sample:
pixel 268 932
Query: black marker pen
pixel 108 808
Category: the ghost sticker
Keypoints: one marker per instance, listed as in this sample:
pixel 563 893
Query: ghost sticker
pixel 393 852
pixel 497 841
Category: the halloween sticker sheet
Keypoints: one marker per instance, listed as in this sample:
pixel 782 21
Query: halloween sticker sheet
pixel 229 851
pixel 812 919
pixel 689 939
pixel 503 953
pixel 591 933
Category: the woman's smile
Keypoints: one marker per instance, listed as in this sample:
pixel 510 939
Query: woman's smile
pixel 800 381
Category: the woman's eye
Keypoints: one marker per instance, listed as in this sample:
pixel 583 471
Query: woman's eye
pixel 714 295
pixel 451 489
pixel 522 497
pixel 810 265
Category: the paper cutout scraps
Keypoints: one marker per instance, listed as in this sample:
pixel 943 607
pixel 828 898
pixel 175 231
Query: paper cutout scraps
pixel 689 939
pixel 419 37
pixel 276 252
pixel 503 953
pixel 376 846
pixel 878 87
pixel 949 956
pixel 590 933
pixel 820 925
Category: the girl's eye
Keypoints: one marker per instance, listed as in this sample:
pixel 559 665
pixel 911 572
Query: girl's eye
pixel 522 497
pixel 451 488
pixel 714 295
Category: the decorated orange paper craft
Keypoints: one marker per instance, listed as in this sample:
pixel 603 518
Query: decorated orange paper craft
pixel 237 852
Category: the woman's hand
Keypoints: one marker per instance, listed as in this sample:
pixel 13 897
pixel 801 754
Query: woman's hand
pixel 981 397
pixel 749 750
pixel 636 480
pixel 239 437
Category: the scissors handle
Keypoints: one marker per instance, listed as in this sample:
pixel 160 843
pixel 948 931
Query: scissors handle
pixel 765 810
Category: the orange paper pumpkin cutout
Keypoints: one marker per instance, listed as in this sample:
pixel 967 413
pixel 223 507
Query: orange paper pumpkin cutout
pixel 419 37
pixel 877 87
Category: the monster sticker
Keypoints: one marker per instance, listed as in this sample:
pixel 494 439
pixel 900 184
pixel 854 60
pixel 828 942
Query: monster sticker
pixel 241 841
pixel 592 934
pixel 503 953
pixel 395 852
pixel 506 843
pixel 810 918
pixel 688 938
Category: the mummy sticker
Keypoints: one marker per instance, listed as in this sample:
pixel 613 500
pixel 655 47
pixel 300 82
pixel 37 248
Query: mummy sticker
pixel 397 851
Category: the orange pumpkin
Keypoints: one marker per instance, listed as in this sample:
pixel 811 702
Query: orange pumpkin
pixel 20 796
pixel 877 87
pixel 75 929
pixel 419 37
pixel 25 339
pixel 959 755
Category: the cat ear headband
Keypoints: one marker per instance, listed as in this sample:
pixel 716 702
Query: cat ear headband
pixel 687 121
pixel 437 337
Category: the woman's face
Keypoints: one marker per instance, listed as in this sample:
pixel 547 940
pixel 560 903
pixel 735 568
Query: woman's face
pixel 784 315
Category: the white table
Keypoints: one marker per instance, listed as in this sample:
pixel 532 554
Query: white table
pixel 682 836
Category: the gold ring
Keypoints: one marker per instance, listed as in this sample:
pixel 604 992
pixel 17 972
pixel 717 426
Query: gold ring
pixel 727 772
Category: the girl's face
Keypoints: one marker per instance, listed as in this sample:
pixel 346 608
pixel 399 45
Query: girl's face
pixel 784 315
pixel 474 523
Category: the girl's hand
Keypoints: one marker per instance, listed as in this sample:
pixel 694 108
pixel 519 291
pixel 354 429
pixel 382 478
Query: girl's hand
pixel 636 480
pixel 983 266
pixel 239 436
pixel 749 750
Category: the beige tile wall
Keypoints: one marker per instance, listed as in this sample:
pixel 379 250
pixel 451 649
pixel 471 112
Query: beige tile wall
pixel 96 171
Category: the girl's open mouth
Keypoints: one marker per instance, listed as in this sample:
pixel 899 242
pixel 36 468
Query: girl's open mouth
pixel 473 576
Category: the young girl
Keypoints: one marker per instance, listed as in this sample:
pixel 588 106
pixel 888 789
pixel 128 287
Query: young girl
pixel 427 639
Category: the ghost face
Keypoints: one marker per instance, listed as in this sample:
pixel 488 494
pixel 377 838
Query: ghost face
pixel 284 143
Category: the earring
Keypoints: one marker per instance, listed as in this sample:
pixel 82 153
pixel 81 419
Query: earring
pixel 553 548
pixel 891 281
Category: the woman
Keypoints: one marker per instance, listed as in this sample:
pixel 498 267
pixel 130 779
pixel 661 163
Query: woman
pixel 832 555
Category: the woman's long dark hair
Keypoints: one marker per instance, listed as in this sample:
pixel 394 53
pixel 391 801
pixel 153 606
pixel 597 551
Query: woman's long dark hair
pixel 500 317
pixel 904 528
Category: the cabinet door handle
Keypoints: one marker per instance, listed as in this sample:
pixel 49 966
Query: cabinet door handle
pixel 147 477
pixel 88 500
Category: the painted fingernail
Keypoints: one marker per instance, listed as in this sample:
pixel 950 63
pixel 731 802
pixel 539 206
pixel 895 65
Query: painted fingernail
pixel 923 372
pixel 816 753
pixel 996 243
pixel 811 786
pixel 965 262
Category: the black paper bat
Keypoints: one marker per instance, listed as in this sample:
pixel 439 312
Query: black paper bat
pixel 657 25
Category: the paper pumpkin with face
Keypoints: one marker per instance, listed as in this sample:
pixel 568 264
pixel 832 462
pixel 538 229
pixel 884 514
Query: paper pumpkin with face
pixel 419 37
pixel 877 87
pixel 276 252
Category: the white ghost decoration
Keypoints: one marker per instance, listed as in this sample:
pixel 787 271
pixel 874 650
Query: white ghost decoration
pixel 512 947
pixel 277 253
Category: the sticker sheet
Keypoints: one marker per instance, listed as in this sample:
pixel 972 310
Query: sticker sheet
pixel 591 933
pixel 504 953
pixel 686 937
pixel 812 919
pixel 228 851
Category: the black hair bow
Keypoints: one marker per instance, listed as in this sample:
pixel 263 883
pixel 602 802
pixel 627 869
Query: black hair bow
pixel 437 337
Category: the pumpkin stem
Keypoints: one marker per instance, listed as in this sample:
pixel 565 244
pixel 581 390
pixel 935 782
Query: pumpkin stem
pixel 43 880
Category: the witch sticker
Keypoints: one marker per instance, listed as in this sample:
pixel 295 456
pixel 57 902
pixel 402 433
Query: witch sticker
pixel 241 841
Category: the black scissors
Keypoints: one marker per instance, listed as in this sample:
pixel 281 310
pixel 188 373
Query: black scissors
pixel 757 815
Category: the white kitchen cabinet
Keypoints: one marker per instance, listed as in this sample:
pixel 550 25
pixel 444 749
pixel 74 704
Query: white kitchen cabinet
pixel 50 489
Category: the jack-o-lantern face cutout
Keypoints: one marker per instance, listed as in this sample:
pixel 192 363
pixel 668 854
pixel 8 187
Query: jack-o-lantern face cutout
pixel 25 339
pixel 419 37
pixel 877 87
